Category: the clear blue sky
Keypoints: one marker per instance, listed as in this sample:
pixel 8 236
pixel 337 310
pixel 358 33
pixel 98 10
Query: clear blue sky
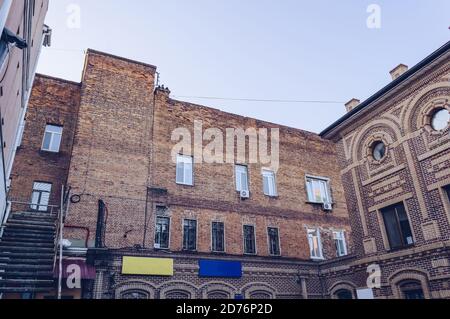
pixel 286 49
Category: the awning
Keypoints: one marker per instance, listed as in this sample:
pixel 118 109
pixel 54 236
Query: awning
pixel 72 266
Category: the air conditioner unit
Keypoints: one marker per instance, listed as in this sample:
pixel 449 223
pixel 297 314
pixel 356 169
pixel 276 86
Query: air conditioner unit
pixel 157 246
pixel 328 207
pixel 245 194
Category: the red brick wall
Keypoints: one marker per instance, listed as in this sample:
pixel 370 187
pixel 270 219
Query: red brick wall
pixel 110 159
pixel 122 149
pixel 53 101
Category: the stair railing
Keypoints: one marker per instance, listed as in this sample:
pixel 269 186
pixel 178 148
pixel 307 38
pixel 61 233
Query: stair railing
pixel 60 221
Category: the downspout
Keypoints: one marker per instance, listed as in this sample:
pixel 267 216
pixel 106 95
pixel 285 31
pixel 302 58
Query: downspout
pixel 150 166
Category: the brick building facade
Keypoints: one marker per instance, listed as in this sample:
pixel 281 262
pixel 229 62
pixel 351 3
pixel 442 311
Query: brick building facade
pixel 395 161
pixel 154 227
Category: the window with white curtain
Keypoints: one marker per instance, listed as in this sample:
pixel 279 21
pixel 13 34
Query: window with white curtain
pixel 52 138
pixel 241 178
pixel 318 190
pixel 315 244
pixel 185 170
pixel 341 245
pixel 269 183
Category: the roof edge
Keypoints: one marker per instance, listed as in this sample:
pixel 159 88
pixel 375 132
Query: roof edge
pixel 120 58
pixel 54 78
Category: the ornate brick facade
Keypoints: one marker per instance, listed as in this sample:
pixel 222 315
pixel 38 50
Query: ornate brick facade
pixel 413 173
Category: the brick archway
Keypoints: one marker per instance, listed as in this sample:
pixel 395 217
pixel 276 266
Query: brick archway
pixel 342 285
pixel 405 275
pixel 143 286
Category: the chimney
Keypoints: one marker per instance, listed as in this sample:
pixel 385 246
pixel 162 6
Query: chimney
pixel 352 104
pixel 398 71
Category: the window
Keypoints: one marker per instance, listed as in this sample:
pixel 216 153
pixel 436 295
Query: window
pixel 162 232
pixel 185 170
pixel 189 235
pixel 315 246
pixel 3 53
pixel 378 150
pixel 41 196
pixel 341 246
pixel 249 240
pixel 344 294
pixel 52 138
pixel 269 182
pixel 318 190
pixel 242 178
pixel 274 241
pixel 447 191
pixel 135 295
pixel 412 290
pixel 397 226
pixel 218 237
pixel 440 119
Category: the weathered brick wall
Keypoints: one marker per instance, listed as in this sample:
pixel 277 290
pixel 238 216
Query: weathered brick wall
pixel 53 101
pixel 113 151
pixel 214 198
pixel 110 159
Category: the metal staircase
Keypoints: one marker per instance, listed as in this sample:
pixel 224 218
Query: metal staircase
pixel 28 252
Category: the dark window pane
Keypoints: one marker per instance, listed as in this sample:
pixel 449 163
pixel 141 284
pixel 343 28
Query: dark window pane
pixel 447 190
pixel 397 226
pixel 218 237
pixel 249 240
pixel 274 242
pixel 393 232
pixel 344 294
pixel 412 290
pixel 190 235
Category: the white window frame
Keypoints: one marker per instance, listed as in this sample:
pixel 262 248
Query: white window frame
pixel 310 189
pixel 319 243
pixel 339 235
pixel 51 148
pixel 270 174
pixel 170 231
pixel 184 159
pixel 239 180
pixel 39 206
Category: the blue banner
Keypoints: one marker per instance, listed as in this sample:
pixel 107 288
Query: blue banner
pixel 220 269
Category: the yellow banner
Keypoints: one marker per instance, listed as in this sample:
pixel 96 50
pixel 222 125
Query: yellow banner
pixel 147 266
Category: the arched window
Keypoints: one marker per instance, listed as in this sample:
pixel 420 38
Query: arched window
pixel 218 295
pixel 344 294
pixel 134 294
pixel 411 290
pixel 260 295
pixel 178 294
